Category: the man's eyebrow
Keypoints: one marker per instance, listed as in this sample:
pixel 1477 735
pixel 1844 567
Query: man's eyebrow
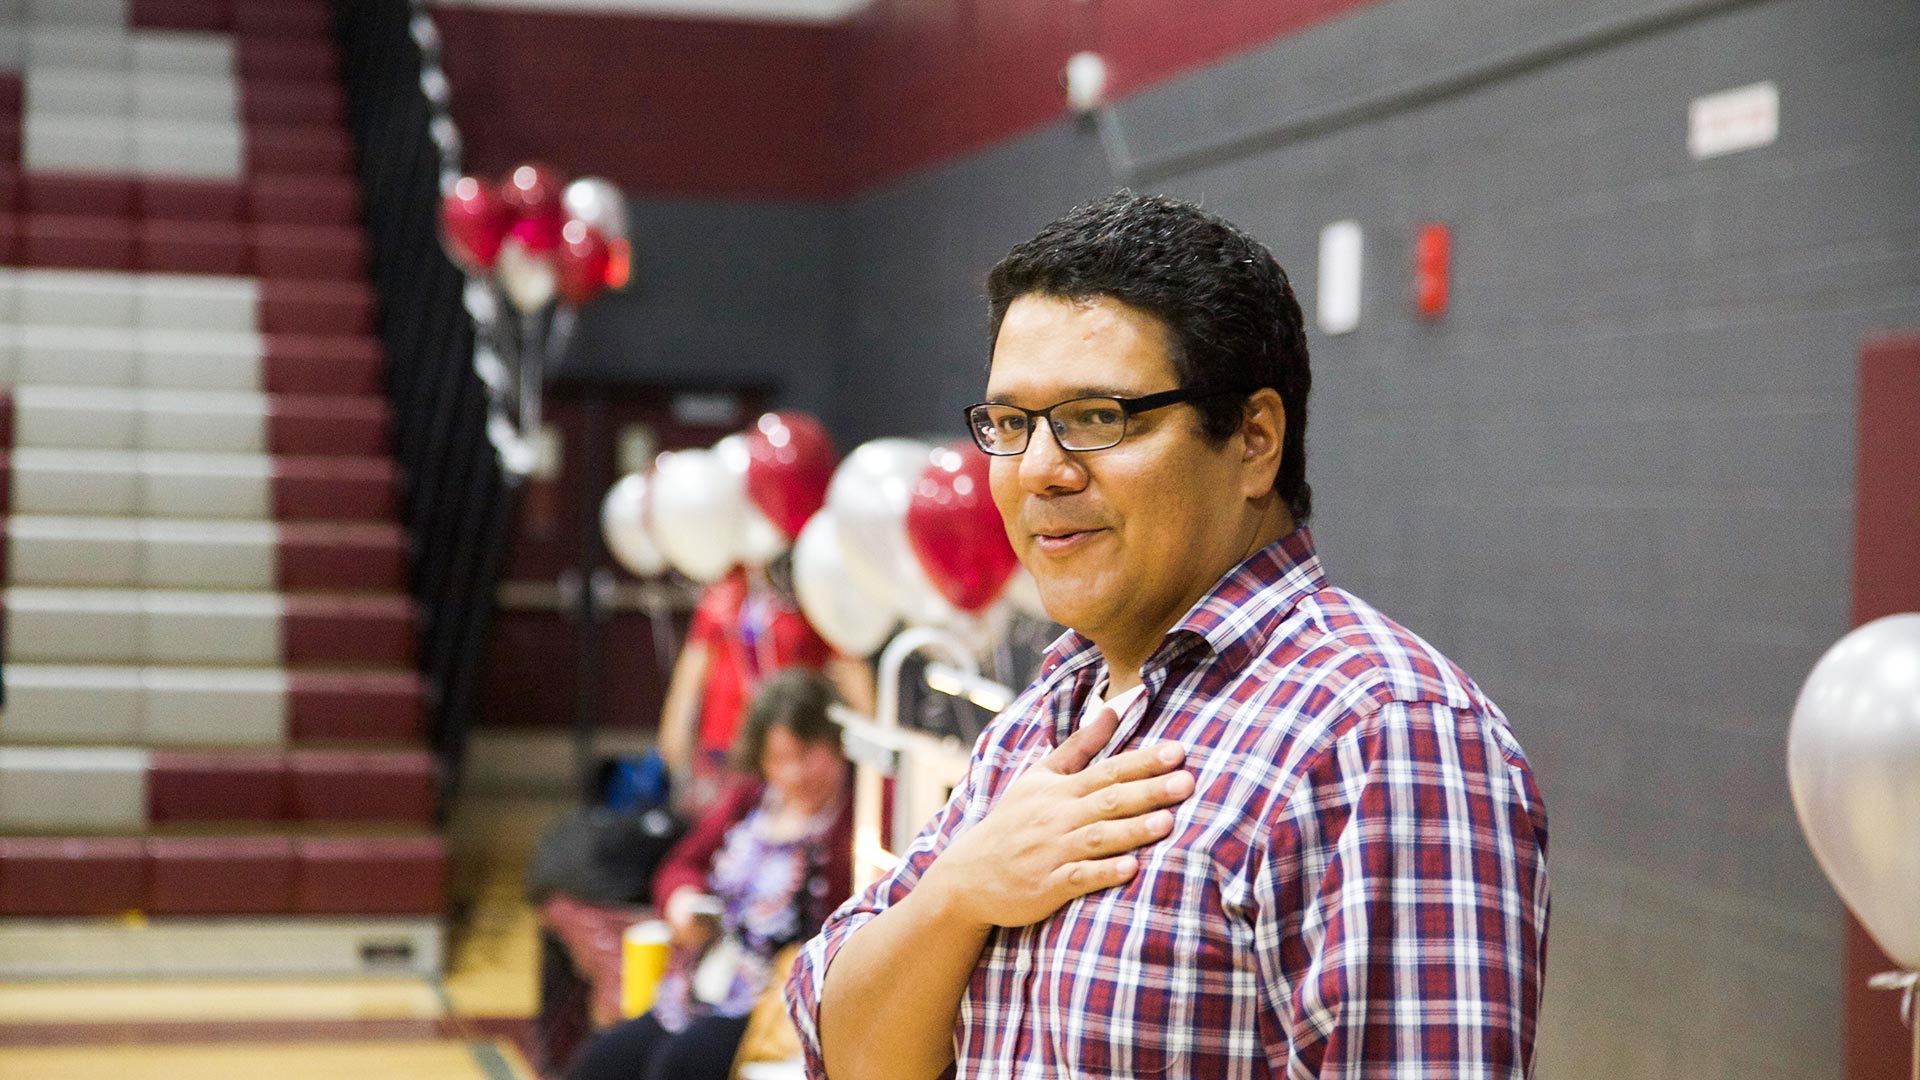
pixel 1072 394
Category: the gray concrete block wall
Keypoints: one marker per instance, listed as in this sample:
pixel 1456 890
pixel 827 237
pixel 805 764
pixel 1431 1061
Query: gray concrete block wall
pixel 1615 481
pixel 724 293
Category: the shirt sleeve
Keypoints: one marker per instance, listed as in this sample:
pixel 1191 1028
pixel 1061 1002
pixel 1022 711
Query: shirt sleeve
pixel 687 862
pixel 810 970
pixel 1403 905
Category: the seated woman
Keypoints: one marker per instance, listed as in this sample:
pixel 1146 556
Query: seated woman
pixel 761 870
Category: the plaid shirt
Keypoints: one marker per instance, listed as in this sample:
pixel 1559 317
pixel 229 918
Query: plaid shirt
pixel 1357 887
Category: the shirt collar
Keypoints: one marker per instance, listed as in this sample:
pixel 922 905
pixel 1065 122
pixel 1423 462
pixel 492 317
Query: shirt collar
pixel 1227 621
pixel 1263 588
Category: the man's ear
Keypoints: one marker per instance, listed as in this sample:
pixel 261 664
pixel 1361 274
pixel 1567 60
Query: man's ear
pixel 1263 429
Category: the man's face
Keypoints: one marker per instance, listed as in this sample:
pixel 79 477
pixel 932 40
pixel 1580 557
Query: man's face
pixel 1121 541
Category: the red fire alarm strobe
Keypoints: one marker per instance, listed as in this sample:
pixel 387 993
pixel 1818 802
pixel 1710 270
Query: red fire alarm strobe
pixel 1432 251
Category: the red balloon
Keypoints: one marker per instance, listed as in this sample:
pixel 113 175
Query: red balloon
pixel 583 262
pixel 533 192
pixel 790 463
pixel 536 237
pixel 956 531
pixel 473 221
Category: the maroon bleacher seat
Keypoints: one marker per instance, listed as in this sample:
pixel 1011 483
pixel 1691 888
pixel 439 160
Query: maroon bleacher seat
pixel 333 489
pixel 44 875
pixel 202 15
pixel 225 875
pixel 190 200
pixel 283 18
pixel 298 148
pixel 309 251
pixel 75 242
pixel 323 425
pixel 340 630
pixel 78 194
pixel 370 876
pixel 359 706
pixel 315 307
pixel 346 785
pixel 185 786
pixel 317 364
pixel 291 101
pixel 193 247
pixel 304 200
pixel 260 57
pixel 342 557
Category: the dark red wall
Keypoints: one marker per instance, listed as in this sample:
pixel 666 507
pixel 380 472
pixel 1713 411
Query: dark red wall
pixel 660 106
pixel 774 111
pixel 1886 581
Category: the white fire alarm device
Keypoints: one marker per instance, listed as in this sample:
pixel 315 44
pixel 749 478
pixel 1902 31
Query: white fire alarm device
pixel 1339 286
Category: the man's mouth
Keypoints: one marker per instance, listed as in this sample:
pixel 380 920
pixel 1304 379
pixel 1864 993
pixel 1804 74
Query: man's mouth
pixel 1059 540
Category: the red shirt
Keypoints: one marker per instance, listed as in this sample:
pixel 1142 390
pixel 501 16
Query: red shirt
pixel 749 633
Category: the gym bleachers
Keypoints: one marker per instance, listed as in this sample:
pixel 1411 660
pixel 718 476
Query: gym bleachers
pixel 212 716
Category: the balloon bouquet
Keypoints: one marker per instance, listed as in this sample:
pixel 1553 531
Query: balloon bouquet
pixel 1853 765
pixel 546 248
pixel 898 532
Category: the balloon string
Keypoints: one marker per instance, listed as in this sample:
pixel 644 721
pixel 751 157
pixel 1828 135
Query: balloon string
pixel 1903 981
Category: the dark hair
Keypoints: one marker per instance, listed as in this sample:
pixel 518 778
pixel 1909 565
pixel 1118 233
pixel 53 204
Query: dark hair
pixel 795 699
pixel 1227 305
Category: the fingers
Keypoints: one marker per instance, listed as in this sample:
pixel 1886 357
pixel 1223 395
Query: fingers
pixel 1129 799
pixel 1081 878
pixel 1089 739
pixel 1101 839
pixel 1133 765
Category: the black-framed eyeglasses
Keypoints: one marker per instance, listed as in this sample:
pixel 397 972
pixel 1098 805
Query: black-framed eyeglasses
pixel 1085 423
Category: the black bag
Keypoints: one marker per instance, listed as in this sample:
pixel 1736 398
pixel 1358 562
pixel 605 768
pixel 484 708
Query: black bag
pixel 602 856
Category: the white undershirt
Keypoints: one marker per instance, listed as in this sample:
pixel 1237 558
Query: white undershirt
pixel 1122 703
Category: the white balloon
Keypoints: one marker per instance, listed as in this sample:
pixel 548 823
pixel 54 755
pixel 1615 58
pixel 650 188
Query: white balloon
pixel 598 203
pixel 529 280
pixel 1853 762
pixel 623 523
pixel 761 541
pixel 869 494
pixel 846 616
pixel 699 511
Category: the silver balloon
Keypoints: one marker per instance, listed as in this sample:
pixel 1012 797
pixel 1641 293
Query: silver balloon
pixel 598 203
pixel 1853 762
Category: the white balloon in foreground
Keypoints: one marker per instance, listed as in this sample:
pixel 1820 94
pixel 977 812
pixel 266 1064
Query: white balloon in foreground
pixel 623 523
pixel 844 614
pixel 869 494
pixel 1853 762
pixel 698 513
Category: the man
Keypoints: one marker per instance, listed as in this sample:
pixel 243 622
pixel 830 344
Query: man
pixel 1242 825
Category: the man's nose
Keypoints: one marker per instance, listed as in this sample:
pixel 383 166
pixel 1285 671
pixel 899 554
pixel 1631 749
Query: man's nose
pixel 1044 466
